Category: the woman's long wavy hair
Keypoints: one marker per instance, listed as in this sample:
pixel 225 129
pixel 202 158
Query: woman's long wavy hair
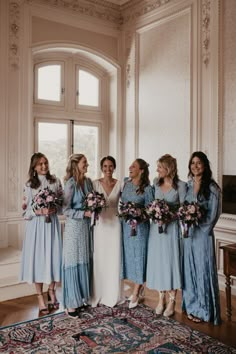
pixel 72 169
pixel 144 179
pixel 33 180
pixel 206 179
pixel 170 164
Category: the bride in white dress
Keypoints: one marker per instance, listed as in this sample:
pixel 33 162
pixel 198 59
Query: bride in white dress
pixel 107 240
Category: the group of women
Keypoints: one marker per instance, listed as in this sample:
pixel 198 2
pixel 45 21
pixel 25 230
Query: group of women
pixel 94 259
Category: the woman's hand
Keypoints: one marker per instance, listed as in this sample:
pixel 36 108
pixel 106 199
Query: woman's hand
pixel 88 214
pixel 45 211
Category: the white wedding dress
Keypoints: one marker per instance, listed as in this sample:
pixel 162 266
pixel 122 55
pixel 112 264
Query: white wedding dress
pixel 107 250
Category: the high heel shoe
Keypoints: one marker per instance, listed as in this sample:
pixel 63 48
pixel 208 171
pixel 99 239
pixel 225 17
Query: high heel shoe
pixel 43 310
pixel 132 303
pixel 161 304
pixel 52 299
pixel 170 309
pixel 72 314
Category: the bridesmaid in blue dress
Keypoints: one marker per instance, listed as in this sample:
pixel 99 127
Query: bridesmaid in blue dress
pixel 200 288
pixel 42 247
pixel 136 189
pixel 164 249
pixel 77 246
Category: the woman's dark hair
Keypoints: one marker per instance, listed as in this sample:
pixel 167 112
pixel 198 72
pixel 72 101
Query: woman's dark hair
pixel 170 164
pixel 144 179
pixel 33 180
pixel 110 158
pixel 206 179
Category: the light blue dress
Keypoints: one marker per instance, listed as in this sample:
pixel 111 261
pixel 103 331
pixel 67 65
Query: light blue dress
pixel 164 249
pixel 134 248
pixel 200 287
pixel 77 246
pixel 42 247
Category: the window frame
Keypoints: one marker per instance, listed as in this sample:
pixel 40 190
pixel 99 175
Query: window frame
pixel 47 111
pixel 70 135
pixel 81 107
pixel 40 64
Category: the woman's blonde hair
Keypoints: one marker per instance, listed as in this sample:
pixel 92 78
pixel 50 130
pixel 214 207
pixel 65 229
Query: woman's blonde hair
pixel 170 164
pixel 72 169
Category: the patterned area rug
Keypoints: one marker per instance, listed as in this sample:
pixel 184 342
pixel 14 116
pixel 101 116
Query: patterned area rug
pixel 104 330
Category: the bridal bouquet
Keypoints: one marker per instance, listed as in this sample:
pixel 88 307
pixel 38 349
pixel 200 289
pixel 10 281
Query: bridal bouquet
pixel 133 214
pixel 189 214
pixel 45 198
pixel 160 212
pixel 94 202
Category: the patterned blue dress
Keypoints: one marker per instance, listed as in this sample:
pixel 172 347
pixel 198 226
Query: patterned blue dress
pixel 134 248
pixel 77 246
pixel 200 288
pixel 42 247
pixel 164 250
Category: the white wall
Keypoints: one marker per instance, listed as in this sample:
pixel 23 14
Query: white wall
pixel 176 86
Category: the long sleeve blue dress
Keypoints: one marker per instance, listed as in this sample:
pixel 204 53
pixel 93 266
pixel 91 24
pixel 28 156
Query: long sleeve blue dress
pixel 200 281
pixel 134 248
pixel 77 246
pixel 164 250
pixel 42 247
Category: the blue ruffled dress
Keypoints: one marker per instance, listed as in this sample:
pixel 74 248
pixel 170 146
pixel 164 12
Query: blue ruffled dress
pixel 77 246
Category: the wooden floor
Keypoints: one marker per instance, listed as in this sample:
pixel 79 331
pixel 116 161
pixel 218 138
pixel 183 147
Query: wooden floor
pixel 23 309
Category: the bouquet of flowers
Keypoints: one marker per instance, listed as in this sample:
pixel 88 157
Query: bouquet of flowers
pixel 94 202
pixel 160 212
pixel 133 214
pixel 45 198
pixel 189 214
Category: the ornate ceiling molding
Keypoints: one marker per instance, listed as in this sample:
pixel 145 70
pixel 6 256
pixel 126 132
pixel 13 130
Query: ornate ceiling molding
pixel 133 9
pixel 100 9
pixel 206 9
pixel 105 10
pixel 14 28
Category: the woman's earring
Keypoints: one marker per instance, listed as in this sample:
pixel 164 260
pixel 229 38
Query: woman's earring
pixel 34 173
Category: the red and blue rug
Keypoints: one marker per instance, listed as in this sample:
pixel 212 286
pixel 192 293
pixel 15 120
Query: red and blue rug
pixel 105 330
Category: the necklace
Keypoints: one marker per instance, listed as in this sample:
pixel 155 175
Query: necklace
pixel 197 181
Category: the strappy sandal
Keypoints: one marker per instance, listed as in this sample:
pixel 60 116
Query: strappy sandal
pixel 42 310
pixel 194 319
pixel 52 300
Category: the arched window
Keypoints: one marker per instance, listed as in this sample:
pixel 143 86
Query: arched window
pixel 69 110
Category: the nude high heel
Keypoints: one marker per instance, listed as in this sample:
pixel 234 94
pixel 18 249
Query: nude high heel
pixel 170 309
pixel 161 304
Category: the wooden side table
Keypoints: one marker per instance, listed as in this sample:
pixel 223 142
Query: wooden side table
pixel 229 269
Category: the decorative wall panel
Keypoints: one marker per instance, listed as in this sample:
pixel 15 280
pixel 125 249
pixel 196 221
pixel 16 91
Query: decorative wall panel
pixel 164 92
pixel 229 85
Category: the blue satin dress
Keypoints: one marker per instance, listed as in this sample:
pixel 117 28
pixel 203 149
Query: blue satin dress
pixel 164 250
pixel 134 248
pixel 200 280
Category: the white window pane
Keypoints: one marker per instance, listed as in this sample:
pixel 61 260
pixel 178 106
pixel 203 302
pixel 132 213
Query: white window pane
pixel 52 141
pixel 88 89
pixel 49 83
pixel 86 142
